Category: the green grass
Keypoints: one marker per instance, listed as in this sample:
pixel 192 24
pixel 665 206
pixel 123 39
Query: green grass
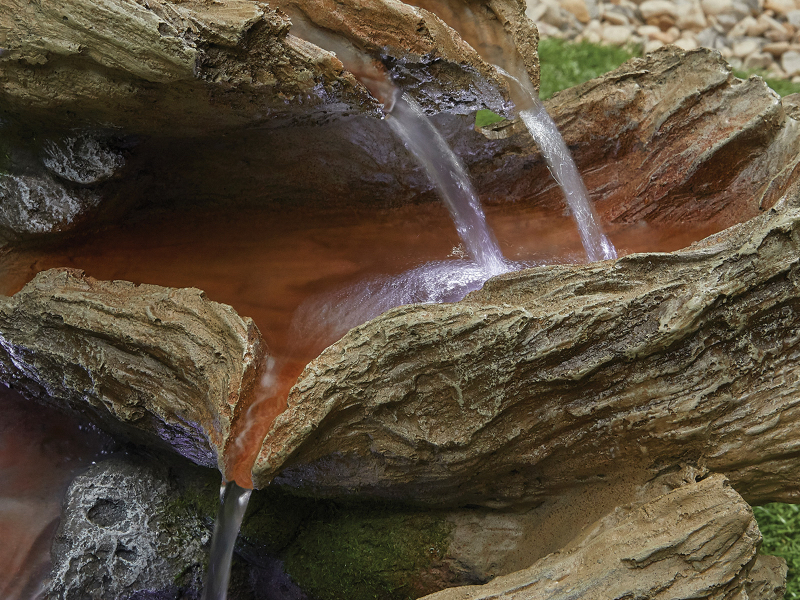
pixel 486 117
pixel 784 87
pixel 780 526
pixel 565 64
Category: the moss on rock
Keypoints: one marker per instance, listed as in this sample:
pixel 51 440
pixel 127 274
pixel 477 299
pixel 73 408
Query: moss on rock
pixel 356 553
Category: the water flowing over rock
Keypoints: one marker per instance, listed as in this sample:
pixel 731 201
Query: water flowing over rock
pixel 579 402
pixel 683 358
pixel 163 366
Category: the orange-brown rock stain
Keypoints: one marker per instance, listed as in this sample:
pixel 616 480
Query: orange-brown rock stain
pixel 267 262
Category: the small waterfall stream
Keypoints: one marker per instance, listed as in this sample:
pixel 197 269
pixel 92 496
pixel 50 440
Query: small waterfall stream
pixel 445 170
pixel 561 165
pixel 233 504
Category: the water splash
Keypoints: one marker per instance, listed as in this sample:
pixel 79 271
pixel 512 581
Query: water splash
pixel 233 504
pixel 561 165
pixel 324 319
pixel 422 139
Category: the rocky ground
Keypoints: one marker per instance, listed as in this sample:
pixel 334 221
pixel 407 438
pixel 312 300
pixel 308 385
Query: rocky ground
pixel 754 35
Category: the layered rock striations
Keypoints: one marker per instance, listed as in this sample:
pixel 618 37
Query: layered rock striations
pixel 698 541
pixel 160 366
pixel 548 378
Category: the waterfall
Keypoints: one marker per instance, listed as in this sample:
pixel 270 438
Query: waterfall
pixel 445 170
pixel 233 503
pixel 561 165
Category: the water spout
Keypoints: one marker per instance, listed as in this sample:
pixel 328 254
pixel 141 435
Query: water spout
pixel 561 165
pixel 233 503
pixel 444 168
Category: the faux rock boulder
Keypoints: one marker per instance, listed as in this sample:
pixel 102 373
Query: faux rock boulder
pixel 161 366
pixel 699 541
pixel 171 85
pixel 123 536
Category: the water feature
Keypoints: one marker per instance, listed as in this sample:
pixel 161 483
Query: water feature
pixel 445 170
pixel 440 281
pixel 487 35
pixel 562 166
pixel 233 504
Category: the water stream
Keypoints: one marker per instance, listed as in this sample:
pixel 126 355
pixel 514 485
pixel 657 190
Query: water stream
pixel 561 165
pixel 233 504
pixel 445 170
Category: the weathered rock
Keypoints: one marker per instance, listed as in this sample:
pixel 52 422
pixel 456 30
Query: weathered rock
pixel 193 87
pixel 119 538
pixel 767 579
pixel 198 67
pixel 139 527
pixel 662 160
pixel 164 366
pixel 522 391
pixel 698 541
pixel 33 205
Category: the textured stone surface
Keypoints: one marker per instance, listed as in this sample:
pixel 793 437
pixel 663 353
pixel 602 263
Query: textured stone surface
pixel 164 366
pixel 119 537
pixel 210 65
pixel 653 146
pixel 698 541
pixel 226 102
pixel 38 204
pixel 767 579
pixel 564 376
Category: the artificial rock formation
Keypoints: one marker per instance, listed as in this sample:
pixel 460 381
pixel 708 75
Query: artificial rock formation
pixel 162 366
pixel 698 541
pixel 554 376
pixel 197 87
pixel 652 147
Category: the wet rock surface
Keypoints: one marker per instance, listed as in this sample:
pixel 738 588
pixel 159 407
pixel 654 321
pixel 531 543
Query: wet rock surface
pixel 194 91
pixel 650 143
pixel 685 353
pixel 157 365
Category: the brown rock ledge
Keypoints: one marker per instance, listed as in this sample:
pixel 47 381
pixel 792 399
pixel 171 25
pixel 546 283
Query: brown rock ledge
pixel 698 541
pixel 162 366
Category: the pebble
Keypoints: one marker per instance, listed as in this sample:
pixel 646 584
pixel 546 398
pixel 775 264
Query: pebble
pixel 790 62
pixel 756 35
pixel 781 7
pixel 617 35
pixel 658 8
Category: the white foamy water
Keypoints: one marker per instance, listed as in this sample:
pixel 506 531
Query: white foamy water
pixel 233 504
pixel 324 319
pixel 445 170
pixel 561 165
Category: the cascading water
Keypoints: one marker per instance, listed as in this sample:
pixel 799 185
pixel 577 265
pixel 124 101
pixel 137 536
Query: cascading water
pixel 233 504
pixel 486 33
pixel 562 167
pixel 445 170
pixel 432 282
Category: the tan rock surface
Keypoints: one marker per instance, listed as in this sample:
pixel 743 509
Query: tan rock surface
pixel 562 377
pixel 698 541
pixel 669 156
pixel 163 366
pixel 205 66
